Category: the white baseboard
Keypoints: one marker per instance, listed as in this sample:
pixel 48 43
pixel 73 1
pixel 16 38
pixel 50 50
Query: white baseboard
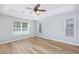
pixel 15 40
pixel 41 37
pixel 59 40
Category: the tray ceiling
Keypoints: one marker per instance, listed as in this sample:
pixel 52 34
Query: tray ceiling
pixel 19 10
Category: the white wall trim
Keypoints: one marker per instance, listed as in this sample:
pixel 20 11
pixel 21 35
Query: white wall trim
pixel 16 39
pixel 41 37
pixel 58 40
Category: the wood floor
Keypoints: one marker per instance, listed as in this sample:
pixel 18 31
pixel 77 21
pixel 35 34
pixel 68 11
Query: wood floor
pixel 38 45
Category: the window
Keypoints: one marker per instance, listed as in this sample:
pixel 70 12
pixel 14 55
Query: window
pixel 24 26
pixel 70 28
pixel 16 26
pixel 20 27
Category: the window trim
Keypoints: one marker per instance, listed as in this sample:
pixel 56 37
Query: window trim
pixel 21 31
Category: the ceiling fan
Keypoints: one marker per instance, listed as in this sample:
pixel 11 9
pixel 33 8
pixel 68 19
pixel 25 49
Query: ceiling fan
pixel 36 9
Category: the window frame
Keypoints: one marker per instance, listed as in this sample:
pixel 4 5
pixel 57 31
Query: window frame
pixel 21 28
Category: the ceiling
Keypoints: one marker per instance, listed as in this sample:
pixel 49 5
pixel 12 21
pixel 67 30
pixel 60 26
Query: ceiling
pixel 19 10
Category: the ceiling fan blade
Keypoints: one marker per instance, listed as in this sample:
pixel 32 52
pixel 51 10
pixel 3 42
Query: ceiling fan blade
pixel 37 6
pixel 41 10
pixel 29 8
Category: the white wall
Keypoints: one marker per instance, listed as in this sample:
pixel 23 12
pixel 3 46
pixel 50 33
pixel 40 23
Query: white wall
pixel 53 27
pixel 6 28
pixel 1 7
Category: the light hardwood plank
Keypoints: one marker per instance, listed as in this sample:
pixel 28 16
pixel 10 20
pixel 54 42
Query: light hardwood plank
pixel 37 45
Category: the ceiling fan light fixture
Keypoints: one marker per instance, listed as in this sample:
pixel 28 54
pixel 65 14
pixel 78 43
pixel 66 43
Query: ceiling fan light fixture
pixel 36 9
pixel 36 13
